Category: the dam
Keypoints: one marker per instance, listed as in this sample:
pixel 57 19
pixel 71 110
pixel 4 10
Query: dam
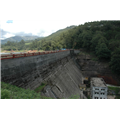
pixel 58 69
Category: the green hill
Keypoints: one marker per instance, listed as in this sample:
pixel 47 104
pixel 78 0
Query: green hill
pixel 19 38
pixel 53 41
pixel 57 34
pixel 102 38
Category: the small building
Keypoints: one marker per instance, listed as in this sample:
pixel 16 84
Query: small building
pixel 98 88
pixel 82 86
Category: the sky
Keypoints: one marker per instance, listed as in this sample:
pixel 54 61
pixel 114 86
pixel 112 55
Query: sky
pixel 40 28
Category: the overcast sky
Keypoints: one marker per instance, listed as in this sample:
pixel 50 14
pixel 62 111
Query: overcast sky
pixel 41 28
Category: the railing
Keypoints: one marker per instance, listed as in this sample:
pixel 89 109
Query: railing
pixel 12 55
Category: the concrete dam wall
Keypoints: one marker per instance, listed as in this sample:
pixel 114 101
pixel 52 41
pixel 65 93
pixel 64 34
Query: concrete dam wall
pixel 64 80
pixel 57 69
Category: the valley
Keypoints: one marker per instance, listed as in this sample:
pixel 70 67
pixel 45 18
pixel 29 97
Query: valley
pixel 99 46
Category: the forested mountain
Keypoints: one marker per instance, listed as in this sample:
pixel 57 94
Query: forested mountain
pixel 18 39
pixel 26 38
pixel 25 43
pixel 51 42
pixel 56 34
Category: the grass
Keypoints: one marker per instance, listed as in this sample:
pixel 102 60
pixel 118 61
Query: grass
pixel 88 96
pixel 13 92
pixel 95 59
pixel 40 51
pixel 75 97
pixel 116 90
pixel 4 50
pixel 40 88
pixel 14 50
pixel 19 51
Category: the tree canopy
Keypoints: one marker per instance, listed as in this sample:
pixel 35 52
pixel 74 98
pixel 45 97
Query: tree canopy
pixel 115 61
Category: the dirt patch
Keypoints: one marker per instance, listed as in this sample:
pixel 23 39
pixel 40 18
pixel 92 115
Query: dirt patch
pixel 3 51
pixel 31 51
pixel 110 80
pixel 110 96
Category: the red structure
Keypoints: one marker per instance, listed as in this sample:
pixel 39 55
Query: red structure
pixel 11 56
pixel 110 80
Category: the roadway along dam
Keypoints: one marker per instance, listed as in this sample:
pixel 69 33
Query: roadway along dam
pixel 57 70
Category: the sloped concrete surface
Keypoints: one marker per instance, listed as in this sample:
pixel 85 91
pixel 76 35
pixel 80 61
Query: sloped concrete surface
pixel 64 81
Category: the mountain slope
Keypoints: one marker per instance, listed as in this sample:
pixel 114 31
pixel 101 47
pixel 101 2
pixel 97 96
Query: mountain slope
pixel 51 42
pixel 58 33
pixel 18 39
pixel 26 38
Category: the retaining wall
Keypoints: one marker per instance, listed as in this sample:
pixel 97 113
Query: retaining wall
pixel 29 72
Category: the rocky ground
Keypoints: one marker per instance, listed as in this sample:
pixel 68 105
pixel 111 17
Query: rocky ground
pixel 111 97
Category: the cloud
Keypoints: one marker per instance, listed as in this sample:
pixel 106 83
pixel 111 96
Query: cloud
pixel 8 35
pixel 9 21
pixel 41 33
pixel 5 34
pixel 34 28
pixel 23 34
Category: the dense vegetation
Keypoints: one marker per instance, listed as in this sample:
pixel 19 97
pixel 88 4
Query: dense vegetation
pixel 14 45
pixel 13 92
pixel 100 38
pixel 116 90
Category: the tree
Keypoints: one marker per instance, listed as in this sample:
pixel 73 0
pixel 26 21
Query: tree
pixel 87 36
pixel 8 43
pixel 110 34
pixel 113 44
pixel 102 51
pixel 115 61
pixel 117 37
pixel 95 40
pixel 21 44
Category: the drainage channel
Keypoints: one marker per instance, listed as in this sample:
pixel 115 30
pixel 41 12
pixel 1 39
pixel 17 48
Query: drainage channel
pixel 49 88
pixel 54 94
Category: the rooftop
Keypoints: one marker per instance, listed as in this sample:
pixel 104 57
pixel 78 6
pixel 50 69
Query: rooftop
pixel 98 82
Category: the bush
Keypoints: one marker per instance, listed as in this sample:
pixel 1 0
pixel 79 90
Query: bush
pixel 95 59
pixel 5 94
